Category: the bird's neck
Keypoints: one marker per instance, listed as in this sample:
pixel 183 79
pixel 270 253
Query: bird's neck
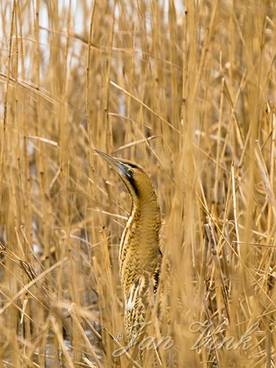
pixel 146 208
pixel 140 240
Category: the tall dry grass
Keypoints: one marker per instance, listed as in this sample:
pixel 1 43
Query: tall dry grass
pixel 187 92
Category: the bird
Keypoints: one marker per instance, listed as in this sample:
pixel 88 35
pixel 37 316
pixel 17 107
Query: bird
pixel 140 256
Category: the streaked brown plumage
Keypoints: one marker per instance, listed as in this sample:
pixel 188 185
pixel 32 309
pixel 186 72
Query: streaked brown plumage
pixel 139 254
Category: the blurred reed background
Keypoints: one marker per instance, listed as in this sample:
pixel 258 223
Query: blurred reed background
pixel 185 89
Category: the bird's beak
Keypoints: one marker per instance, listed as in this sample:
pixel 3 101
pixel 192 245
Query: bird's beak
pixel 116 164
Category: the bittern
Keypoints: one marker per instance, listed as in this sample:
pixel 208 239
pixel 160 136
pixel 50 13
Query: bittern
pixel 139 253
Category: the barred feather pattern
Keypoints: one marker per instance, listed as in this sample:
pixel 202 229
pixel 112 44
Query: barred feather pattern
pixel 140 260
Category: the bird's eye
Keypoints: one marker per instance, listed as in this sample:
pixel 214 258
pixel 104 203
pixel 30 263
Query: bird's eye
pixel 130 173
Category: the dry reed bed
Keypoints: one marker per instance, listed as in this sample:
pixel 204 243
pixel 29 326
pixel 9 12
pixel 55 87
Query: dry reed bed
pixel 187 93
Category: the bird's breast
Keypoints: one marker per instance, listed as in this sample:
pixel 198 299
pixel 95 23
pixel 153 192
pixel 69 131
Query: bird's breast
pixel 139 248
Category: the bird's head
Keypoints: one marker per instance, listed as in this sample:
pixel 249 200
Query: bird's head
pixel 133 176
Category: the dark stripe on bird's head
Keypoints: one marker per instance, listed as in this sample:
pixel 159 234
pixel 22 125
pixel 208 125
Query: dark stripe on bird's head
pixel 123 167
pixel 125 170
pixel 133 184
